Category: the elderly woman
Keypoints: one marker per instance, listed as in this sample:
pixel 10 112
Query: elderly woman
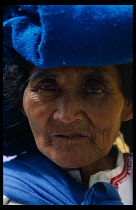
pixel 68 88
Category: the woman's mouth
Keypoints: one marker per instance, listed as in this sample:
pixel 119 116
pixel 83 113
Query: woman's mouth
pixel 70 136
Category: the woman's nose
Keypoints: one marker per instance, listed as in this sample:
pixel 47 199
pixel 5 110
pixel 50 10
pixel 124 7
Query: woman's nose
pixel 68 110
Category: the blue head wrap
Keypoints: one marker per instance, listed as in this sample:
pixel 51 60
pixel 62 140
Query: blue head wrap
pixel 70 35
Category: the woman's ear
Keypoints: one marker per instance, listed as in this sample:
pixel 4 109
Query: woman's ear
pixel 127 113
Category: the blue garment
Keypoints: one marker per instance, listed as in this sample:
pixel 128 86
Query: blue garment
pixel 33 179
pixel 70 35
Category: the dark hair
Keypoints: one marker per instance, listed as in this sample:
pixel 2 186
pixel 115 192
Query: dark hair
pixel 17 135
pixel 126 72
pixel 16 126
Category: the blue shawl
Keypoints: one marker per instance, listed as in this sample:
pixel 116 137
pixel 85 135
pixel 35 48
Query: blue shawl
pixel 33 179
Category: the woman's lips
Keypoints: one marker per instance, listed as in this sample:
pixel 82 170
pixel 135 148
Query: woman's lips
pixel 71 136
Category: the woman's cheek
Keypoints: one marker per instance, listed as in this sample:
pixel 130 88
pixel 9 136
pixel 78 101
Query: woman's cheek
pixel 33 105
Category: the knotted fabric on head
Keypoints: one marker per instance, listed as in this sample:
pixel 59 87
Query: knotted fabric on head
pixel 70 35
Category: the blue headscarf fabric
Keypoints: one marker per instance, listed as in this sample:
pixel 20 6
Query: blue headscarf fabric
pixel 70 35
pixel 33 179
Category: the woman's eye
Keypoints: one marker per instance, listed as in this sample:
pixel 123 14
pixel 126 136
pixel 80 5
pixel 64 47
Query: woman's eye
pixel 95 90
pixel 47 87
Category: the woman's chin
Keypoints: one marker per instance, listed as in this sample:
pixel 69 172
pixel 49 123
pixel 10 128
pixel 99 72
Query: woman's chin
pixel 69 161
pixel 74 155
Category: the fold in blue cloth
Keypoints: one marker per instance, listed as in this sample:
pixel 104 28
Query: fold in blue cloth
pixel 33 179
pixel 70 35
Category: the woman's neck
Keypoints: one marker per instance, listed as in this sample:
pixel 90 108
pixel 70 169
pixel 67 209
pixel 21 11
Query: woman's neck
pixel 107 162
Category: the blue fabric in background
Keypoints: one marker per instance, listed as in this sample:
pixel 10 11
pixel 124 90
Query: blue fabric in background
pixel 70 35
pixel 32 179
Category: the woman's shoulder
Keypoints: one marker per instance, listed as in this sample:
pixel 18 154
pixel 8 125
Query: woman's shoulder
pixel 121 177
pixel 124 181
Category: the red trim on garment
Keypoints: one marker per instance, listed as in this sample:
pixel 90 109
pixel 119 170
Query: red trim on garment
pixel 115 181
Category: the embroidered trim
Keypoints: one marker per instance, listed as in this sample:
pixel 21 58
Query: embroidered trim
pixel 115 181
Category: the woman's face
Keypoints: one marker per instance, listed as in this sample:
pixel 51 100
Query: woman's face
pixel 75 113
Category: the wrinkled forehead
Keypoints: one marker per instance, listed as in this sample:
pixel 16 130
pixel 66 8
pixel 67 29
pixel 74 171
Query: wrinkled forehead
pixel 107 72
